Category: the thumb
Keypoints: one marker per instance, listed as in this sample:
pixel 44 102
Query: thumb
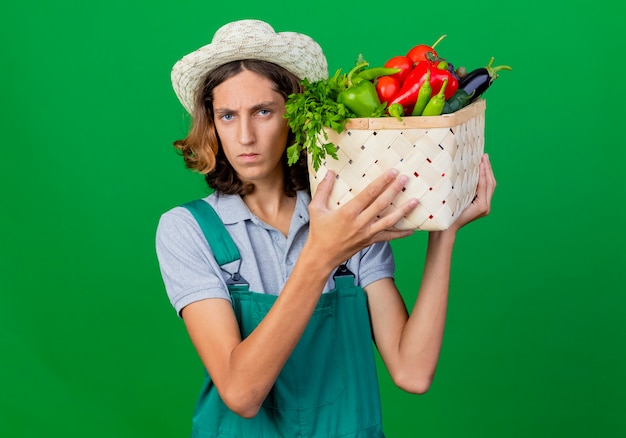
pixel 322 194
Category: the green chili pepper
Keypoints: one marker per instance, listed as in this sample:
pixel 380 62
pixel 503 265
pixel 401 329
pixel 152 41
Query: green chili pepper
pixel 436 103
pixel 372 73
pixel 423 96
pixel 361 97
pixel 396 110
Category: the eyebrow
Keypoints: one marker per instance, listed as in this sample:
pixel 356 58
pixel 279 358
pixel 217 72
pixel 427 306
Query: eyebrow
pixel 258 106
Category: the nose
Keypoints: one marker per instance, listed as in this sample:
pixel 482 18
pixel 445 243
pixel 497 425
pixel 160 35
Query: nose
pixel 246 131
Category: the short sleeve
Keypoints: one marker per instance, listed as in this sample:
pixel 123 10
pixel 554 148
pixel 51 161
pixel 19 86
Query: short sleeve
pixel 376 262
pixel 188 267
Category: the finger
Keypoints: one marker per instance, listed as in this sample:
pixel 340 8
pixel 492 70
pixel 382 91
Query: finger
pixel 388 221
pixel 481 205
pixel 324 188
pixel 373 190
pixel 386 199
pixel 484 198
pixel 490 180
pixel 387 235
pixel 486 185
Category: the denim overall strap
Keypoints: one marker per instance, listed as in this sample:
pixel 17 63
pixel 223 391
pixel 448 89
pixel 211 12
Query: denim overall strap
pixel 327 388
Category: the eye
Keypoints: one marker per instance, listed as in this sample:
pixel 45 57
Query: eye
pixel 264 112
pixel 226 117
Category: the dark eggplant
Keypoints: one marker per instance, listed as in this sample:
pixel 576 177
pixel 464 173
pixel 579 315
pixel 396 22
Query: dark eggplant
pixel 477 81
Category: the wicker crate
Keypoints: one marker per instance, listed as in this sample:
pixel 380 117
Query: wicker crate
pixel 441 156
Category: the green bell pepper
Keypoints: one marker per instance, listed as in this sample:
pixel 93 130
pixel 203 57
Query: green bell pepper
pixel 360 96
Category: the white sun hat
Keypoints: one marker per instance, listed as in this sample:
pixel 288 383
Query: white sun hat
pixel 248 39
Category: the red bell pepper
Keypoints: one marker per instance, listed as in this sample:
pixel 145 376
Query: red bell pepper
pixel 408 93
pixel 441 74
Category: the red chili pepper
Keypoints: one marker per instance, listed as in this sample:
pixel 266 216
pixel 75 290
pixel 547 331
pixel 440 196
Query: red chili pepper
pixel 408 93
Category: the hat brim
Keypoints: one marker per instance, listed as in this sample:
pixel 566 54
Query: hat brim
pixel 295 52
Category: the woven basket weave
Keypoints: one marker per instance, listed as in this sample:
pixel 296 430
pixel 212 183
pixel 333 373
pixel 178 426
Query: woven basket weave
pixel 440 155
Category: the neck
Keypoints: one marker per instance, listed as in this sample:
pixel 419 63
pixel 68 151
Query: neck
pixel 272 206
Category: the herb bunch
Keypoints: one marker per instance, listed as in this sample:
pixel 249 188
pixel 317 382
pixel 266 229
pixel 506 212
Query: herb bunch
pixel 312 110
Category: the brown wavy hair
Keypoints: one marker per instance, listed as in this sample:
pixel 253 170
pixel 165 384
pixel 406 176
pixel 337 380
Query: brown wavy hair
pixel 202 150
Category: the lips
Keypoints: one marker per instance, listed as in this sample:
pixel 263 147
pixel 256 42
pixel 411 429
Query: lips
pixel 249 157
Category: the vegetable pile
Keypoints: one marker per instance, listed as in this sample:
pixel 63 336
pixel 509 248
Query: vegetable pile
pixel 420 83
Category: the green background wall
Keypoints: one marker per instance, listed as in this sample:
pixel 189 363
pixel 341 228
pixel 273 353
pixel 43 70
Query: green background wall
pixel 535 343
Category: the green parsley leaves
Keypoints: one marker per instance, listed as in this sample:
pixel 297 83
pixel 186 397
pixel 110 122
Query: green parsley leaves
pixel 312 110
